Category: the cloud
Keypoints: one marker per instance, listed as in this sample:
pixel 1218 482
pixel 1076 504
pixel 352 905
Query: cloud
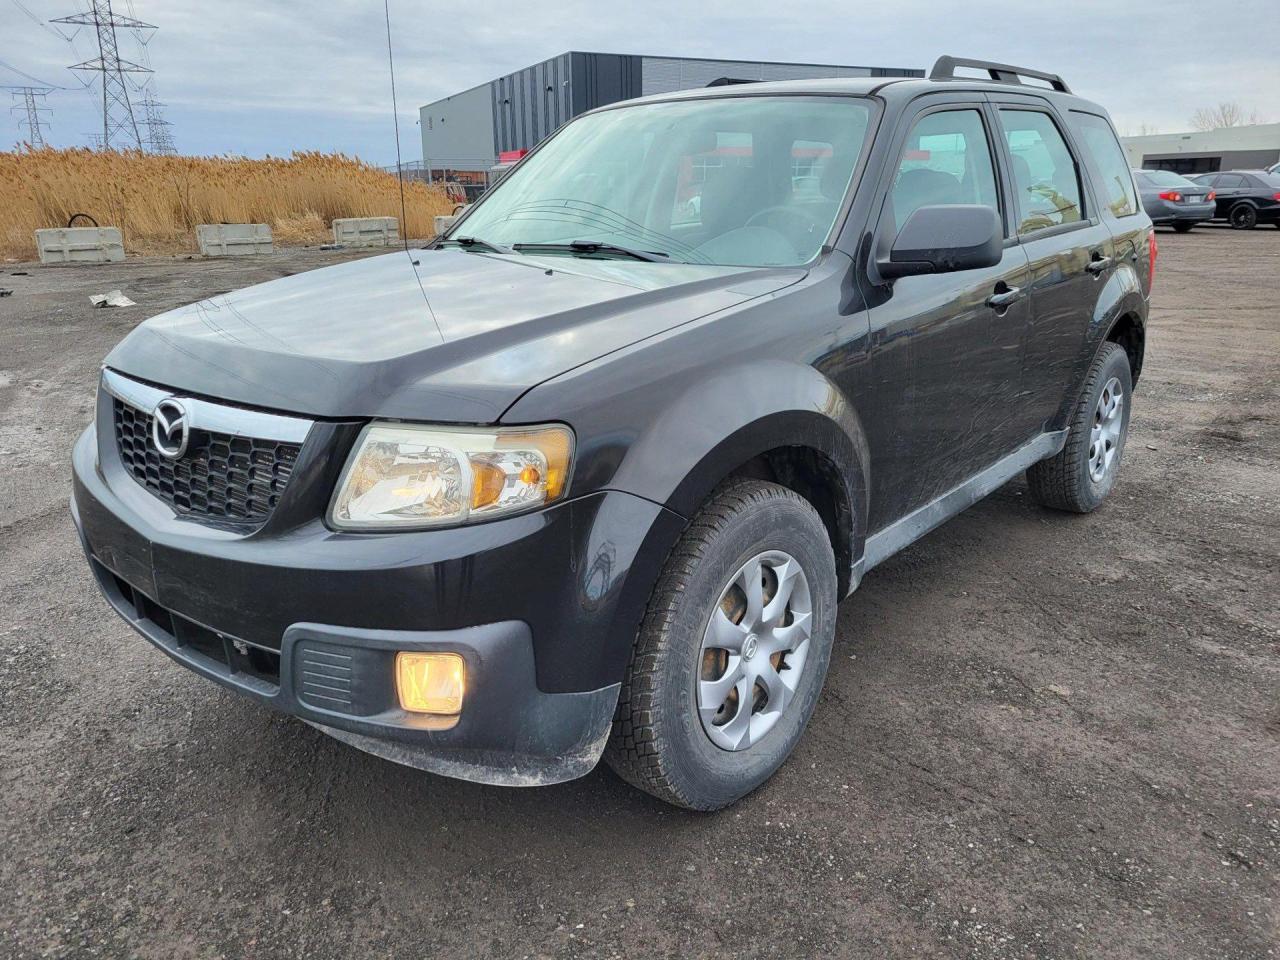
pixel 270 77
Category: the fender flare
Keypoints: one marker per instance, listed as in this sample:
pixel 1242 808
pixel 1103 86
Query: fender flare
pixel 735 416
pixel 1121 297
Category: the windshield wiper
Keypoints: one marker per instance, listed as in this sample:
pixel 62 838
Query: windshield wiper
pixel 591 246
pixel 476 243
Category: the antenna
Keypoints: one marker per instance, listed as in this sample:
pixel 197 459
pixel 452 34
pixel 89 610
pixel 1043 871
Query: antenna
pixel 395 115
pixel 404 217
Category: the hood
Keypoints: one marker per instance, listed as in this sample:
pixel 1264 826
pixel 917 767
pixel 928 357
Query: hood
pixel 359 339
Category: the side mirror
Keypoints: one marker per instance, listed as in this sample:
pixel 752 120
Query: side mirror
pixel 943 239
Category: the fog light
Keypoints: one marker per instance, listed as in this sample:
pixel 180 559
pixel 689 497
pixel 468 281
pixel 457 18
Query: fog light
pixel 431 682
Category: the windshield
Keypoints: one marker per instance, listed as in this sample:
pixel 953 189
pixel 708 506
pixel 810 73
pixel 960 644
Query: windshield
pixel 750 181
pixel 1165 178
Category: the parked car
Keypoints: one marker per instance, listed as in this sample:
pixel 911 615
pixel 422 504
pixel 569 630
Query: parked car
pixel 1173 200
pixel 1274 168
pixel 580 480
pixel 1245 198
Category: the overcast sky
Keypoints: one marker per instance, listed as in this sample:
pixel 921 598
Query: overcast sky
pixel 266 76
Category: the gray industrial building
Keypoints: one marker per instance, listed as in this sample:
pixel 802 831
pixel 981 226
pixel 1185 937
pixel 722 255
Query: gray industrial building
pixel 1249 147
pixel 465 134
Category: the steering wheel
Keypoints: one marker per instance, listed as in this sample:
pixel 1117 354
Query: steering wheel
pixel 797 218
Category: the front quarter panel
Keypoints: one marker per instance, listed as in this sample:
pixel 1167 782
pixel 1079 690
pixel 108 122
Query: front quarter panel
pixel 669 419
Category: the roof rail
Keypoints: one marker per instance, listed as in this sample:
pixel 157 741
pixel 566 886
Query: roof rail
pixel 945 69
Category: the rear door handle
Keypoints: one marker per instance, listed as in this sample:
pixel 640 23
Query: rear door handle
pixel 1004 298
pixel 1098 264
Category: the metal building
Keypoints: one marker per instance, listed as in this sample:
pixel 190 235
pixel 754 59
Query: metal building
pixel 1249 147
pixel 464 135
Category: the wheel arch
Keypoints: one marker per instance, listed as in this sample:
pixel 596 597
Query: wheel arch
pixel 789 425
pixel 1130 333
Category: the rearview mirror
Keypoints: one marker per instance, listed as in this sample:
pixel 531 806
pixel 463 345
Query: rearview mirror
pixel 943 239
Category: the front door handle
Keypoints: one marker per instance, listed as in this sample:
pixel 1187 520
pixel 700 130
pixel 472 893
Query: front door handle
pixel 1098 265
pixel 1004 297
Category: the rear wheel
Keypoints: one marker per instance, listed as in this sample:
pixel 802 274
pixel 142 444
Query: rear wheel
pixel 1183 227
pixel 732 652
pixel 1243 216
pixel 1079 477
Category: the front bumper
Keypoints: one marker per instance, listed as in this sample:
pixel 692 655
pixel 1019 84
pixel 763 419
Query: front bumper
pixel 543 608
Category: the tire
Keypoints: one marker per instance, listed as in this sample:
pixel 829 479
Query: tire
pixel 1183 227
pixel 661 741
pixel 1243 216
pixel 1070 480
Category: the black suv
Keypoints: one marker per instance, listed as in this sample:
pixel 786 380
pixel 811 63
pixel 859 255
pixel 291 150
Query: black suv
pixel 589 476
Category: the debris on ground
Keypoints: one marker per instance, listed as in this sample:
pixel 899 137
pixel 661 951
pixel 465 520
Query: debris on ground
pixel 115 298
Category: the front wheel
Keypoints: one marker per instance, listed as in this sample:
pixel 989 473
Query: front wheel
pixel 732 652
pixel 1081 475
pixel 1243 216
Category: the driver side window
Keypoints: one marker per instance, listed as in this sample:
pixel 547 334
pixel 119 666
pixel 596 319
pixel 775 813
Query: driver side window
pixel 946 159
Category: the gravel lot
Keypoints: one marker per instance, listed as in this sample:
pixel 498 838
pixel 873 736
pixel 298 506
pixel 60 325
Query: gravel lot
pixel 1042 735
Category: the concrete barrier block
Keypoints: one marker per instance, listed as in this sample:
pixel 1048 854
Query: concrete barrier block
pixel 366 231
pixel 80 245
pixel 233 239
pixel 444 223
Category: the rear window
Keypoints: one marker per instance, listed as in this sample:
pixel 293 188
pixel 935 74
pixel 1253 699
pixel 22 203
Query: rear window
pixel 1269 179
pixel 1107 163
pixel 1044 172
pixel 1167 178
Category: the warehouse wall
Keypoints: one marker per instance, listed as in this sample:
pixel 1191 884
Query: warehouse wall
pixel 603 78
pixel 531 103
pixel 668 74
pixel 1209 162
pixel 468 130
pixel 457 132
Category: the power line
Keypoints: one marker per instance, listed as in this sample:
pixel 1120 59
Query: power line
pixel 118 119
pixel 36 80
pixel 52 31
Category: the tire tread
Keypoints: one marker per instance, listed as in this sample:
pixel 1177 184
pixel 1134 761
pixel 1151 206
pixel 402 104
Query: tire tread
pixel 635 748
pixel 1058 482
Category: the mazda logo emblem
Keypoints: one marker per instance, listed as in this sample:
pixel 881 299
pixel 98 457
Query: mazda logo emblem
pixel 170 430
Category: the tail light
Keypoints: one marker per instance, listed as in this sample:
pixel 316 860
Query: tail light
pixel 1212 195
pixel 1153 250
pixel 1173 195
pixel 1275 196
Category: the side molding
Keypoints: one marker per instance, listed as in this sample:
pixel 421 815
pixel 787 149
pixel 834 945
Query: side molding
pixel 902 533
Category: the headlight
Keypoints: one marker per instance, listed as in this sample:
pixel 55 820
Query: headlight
pixel 405 476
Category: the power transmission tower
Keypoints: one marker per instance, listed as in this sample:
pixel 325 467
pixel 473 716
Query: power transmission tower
pixel 159 139
pixel 34 123
pixel 118 121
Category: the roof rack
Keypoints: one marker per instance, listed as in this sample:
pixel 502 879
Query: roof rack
pixel 945 69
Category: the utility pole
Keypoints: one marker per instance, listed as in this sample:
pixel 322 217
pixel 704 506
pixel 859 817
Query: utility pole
pixel 159 139
pixel 119 126
pixel 34 123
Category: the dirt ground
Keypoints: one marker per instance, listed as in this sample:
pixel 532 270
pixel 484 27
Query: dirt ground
pixel 1042 735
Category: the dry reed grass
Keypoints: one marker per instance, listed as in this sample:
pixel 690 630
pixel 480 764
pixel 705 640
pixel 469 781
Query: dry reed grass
pixel 157 201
